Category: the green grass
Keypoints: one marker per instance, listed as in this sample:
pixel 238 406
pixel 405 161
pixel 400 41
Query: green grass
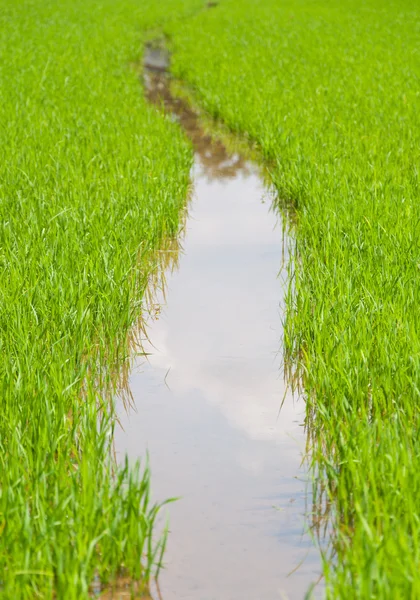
pixel 329 90
pixel 92 183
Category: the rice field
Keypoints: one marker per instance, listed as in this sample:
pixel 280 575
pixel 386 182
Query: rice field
pixel 329 92
pixel 94 181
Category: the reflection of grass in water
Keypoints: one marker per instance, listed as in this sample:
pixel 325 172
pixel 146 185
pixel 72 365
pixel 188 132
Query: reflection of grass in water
pixel 93 183
pixel 329 92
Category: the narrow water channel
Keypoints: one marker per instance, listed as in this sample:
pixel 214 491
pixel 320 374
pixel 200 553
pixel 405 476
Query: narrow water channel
pixel 208 399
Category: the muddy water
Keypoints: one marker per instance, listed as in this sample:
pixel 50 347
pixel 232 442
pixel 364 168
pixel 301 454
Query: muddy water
pixel 207 400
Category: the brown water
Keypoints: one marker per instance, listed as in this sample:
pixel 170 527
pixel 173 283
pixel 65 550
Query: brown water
pixel 208 399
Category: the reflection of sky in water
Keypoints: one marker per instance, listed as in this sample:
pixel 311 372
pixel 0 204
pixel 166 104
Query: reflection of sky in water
pixel 208 406
pixel 221 331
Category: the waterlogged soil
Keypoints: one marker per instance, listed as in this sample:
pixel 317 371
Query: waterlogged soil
pixel 207 403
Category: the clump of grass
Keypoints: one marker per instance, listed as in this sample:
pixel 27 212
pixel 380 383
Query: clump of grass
pixel 92 183
pixel 329 93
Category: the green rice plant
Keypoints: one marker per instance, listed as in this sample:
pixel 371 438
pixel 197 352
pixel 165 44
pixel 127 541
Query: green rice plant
pixel 329 92
pixel 92 183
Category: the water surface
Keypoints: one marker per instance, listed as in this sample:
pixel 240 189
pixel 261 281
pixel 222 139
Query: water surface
pixel 208 399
